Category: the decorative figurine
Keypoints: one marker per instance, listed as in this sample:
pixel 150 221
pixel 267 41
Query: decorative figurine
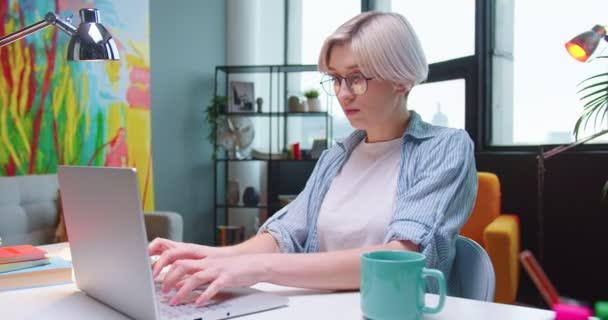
pixel 259 101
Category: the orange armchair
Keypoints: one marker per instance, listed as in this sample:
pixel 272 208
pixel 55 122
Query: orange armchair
pixel 498 234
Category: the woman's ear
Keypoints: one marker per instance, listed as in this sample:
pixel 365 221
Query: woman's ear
pixel 401 88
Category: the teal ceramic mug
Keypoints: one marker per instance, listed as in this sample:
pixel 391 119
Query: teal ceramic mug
pixel 393 284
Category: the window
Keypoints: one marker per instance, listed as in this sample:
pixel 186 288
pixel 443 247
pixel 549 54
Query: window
pixel 311 21
pixel 535 81
pixel 440 103
pixel 448 41
pixel 444 35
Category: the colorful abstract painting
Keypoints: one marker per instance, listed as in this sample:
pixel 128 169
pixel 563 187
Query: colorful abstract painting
pixel 56 112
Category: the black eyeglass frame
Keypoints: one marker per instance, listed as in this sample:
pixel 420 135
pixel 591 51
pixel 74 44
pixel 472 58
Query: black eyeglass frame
pixel 348 84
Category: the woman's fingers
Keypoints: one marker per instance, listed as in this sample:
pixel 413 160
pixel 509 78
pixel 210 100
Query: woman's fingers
pixel 190 284
pixel 171 255
pixel 178 270
pixel 219 273
pixel 213 288
pixel 159 245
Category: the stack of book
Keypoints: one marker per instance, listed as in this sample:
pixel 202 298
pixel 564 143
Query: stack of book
pixel 25 266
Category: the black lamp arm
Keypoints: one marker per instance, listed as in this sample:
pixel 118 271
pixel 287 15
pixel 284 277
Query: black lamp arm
pixel 557 150
pixel 50 18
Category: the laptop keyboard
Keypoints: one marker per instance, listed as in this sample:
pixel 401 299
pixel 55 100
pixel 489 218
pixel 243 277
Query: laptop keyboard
pixel 188 308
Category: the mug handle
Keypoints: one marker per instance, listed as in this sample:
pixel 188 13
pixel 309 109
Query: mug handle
pixel 441 281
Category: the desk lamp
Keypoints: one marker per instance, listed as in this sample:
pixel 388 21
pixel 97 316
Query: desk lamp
pixel 580 48
pixel 90 41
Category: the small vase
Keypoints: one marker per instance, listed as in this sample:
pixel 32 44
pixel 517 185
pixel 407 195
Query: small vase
pixel 314 105
pixel 293 104
pixel 251 197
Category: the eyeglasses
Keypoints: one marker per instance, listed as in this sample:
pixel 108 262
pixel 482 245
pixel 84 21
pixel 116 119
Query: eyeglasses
pixel 356 83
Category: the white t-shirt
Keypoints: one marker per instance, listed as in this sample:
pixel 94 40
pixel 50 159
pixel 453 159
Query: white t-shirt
pixel 359 205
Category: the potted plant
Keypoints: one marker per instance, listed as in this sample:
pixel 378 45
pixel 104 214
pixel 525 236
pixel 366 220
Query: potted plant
pixel 594 96
pixel 214 111
pixel 595 101
pixel 312 100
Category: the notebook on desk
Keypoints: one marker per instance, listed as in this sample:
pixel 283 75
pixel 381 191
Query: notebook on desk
pixel 107 235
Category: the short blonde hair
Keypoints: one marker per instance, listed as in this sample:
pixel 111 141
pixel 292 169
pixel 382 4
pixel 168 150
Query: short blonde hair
pixel 385 46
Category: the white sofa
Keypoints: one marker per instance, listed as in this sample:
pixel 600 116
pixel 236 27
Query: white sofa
pixel 29 212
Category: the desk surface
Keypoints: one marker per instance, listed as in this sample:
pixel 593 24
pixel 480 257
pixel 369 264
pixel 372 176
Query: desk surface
pixel 67 302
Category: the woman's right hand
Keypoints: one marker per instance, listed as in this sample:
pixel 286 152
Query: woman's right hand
pixel 170 251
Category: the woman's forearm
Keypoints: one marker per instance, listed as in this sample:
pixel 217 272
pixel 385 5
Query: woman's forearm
pixel 261 243
pixel 337 270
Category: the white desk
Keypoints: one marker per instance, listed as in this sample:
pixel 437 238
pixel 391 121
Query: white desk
pixel 67 302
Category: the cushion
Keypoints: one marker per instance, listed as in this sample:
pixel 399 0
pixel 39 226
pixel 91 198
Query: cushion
pixel 28 209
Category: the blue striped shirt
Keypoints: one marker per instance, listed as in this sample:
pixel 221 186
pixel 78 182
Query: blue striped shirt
pixel 436 190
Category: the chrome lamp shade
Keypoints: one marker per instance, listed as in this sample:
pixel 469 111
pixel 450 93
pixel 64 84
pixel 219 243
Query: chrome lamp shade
pixel 92 41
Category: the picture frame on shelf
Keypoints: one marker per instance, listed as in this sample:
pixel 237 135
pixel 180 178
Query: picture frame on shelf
pixel 241 97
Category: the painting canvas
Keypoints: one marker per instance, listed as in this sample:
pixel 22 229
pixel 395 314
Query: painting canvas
pixel 56 112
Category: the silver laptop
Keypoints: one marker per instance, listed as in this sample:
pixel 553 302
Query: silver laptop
pixel 109 246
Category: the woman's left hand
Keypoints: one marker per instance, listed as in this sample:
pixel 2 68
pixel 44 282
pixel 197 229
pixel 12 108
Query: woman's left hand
pixel 219 273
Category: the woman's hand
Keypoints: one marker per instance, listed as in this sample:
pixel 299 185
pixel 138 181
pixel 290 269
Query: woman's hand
pixel 218 272
pixel 170 251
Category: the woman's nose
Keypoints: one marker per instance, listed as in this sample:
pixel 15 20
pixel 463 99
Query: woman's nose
pixel 345 92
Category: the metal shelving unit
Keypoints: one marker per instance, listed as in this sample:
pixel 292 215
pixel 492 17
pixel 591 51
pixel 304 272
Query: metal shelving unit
pixel 277 117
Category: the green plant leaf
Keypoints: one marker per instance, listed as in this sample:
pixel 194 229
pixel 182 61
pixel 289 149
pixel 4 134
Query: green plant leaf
pixel 591 111
pixel 597 113
pixel 603 83
pixel 605 192
pixel 587 117
pixel 603 116
pixel 588 112
pixel 593 105
pixel 311 93
pixel 594 100
pixel 577 126
pixel 213 112
pixel 593 77
pixel 597 97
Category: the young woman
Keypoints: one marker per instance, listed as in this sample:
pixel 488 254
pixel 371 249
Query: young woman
pixel 396 183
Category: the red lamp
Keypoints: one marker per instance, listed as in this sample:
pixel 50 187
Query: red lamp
pixel 582 46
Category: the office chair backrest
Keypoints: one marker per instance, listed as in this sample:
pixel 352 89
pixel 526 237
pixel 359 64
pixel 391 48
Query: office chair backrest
pixel 486 209
pixel 472 274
